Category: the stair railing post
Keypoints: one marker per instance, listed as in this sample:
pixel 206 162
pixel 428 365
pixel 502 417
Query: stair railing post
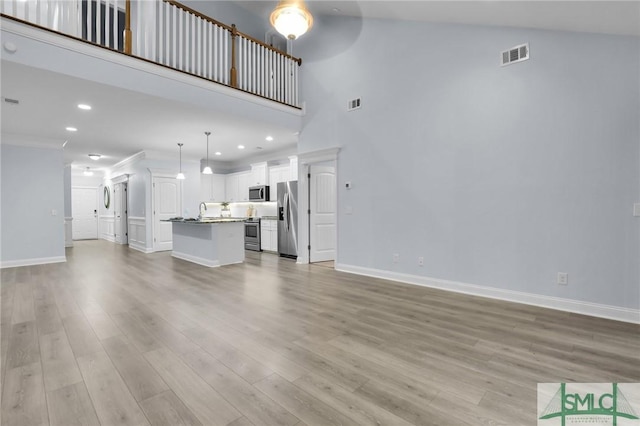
pixel 233 73
pixel 127 27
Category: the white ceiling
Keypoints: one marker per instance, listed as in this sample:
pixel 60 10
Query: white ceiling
pixel 124 122
pixel 607 17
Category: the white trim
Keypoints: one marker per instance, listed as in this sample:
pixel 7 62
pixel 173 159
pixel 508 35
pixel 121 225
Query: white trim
pixel 68 231
pixel 304 161
pixel 138 156
pixel 162 173
pixel 34 261
pixel 120 179
pixel 586 308
pixel 28 141
pixel 140 65
pixel 138 247
pixel 199 260
pixel 319 156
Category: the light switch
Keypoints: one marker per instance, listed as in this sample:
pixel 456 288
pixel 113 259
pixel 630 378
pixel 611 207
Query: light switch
pixel 347 184
pixel 348 210
pixel 54 212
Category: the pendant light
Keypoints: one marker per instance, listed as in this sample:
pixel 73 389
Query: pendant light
pixel 291 18
pixel 207 170
pixel 180 174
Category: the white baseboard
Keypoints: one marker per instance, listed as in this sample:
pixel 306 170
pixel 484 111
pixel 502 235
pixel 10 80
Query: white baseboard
pixel 110 238
pixel 141 248
pixel 567 305
pixel 199 260
pixel 30 262
pixel 68 244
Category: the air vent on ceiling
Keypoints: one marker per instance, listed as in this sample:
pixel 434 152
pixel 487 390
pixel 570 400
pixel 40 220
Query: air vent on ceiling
pixel 515 54
pixel 354 104
pixel 11 101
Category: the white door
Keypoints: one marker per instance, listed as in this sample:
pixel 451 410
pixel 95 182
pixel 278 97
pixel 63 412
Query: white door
pixel 84 209
pixel 322 218
pixel 120 212
pixel 167 203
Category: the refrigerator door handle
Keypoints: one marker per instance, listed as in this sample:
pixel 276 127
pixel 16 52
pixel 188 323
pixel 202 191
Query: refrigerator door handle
pixel 286 211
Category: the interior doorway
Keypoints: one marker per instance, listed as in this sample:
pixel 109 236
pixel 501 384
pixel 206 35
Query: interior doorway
pixel 84 210
pixel 322 213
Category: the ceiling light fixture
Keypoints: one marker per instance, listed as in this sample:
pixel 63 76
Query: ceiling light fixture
pixel 84 107
pixel 95 157
pixel 180 175
pixel 207 170
pixel 291 18
pixel 269 138
pixel 218 153
pixel 87 172
pixel 71 129
pixel 240 146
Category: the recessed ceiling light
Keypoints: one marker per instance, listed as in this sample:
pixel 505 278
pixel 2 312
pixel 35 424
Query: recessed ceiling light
pixel 269 138
pixel 336 10
pixel 84 106
pixel 218 153
pixel 95 157
pixel 88 172
pixel 240 146
pixel 71 129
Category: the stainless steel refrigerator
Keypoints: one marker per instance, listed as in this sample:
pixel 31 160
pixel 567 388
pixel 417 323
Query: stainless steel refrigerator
pixel 288 219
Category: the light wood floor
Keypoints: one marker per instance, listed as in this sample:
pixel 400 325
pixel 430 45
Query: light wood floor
pixel 116 337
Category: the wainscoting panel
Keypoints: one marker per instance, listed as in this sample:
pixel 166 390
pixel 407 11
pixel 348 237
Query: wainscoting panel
pixel 138 234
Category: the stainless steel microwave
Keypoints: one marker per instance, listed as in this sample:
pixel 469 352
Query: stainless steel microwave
pixel 259 193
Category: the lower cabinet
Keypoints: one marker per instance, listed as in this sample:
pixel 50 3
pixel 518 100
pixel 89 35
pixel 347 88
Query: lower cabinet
pixel 269 235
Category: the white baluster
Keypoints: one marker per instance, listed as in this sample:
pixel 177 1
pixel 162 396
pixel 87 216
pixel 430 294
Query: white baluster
pixel 168 29
pixel 210 49
pixel 89 20
pixel 107 23
pixel 114 25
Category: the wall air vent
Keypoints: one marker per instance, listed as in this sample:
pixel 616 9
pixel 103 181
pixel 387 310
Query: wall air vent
pixel 354 104
pixel 515 54
pixel 11 101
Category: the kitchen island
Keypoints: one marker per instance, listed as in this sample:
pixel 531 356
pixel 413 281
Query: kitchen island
pixel 210 242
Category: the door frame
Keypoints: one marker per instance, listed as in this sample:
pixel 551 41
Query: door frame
pixel 160 174
pixel 329 156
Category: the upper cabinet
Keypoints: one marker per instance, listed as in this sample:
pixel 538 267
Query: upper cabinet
pixel 259 174
pixel 212 188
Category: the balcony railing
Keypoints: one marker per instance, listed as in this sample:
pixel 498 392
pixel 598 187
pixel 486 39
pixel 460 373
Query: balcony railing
pixel 171 34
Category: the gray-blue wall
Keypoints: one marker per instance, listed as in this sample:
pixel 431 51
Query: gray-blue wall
pixel 498 176
pixel 32 186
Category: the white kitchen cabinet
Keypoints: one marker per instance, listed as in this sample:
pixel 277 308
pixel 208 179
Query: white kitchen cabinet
pixel 259 174
pixel 231 187
pixel 212 188
pixel 277 174
pixel 237 187
pixel 269 235
pixel 243 186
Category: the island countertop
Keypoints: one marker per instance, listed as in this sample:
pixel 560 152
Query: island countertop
pixel 207 220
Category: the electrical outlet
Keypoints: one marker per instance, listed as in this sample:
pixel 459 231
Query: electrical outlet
pixel 636 209
pixel 421 261
pixel 563 278
pixel 396 258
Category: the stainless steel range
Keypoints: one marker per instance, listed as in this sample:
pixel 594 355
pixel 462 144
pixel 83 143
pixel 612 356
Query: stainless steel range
pixel 252 234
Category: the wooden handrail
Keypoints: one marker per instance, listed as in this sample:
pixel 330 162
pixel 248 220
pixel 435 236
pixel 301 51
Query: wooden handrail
pixel 232 29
